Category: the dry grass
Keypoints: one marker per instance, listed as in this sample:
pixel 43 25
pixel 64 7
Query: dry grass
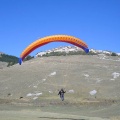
pixel 17 81
pixel 115 118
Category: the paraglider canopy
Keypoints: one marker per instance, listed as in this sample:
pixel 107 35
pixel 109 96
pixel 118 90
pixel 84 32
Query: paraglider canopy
pixel 54 38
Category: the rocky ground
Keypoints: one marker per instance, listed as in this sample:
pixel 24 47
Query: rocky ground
pixel 91 84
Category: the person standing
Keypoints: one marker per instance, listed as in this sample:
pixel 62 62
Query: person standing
pixel 61 93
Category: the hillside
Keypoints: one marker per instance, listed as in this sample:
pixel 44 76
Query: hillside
pixel 8 59
pixel 3 64
pixel 88 80
pixel 90 71
pixel 73 50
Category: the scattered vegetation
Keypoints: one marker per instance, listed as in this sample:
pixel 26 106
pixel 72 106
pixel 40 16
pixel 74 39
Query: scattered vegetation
pixel 114 54
pixel 11 60
pixel 70 53
pixel 28 58
pixel 9 94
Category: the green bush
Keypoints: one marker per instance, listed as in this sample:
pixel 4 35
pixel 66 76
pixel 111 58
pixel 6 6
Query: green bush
pixel 113 54
pixel 28 57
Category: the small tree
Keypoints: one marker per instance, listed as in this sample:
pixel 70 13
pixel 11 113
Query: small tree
pixel 28 58
pixel 113 54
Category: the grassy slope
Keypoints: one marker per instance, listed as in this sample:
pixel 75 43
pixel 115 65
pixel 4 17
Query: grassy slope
pixel 3 64
pixel 79 73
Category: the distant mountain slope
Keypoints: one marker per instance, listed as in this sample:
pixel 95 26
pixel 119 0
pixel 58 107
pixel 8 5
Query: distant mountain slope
pixel 9 59
pixel 82 76
pixel 73 50
pixel 92 82
pixel 3 64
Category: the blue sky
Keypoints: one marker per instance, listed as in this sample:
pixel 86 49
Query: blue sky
pixel 97 22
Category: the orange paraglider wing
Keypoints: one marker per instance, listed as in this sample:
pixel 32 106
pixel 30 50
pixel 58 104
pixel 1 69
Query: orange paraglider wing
pixel 59 38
